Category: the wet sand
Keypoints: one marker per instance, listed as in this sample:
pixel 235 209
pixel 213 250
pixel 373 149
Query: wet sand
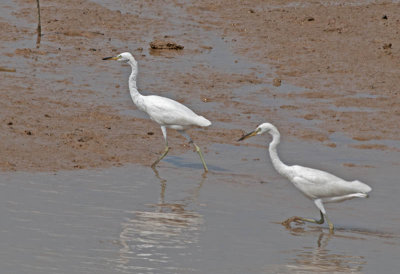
pixel 78 195
pixel 74 110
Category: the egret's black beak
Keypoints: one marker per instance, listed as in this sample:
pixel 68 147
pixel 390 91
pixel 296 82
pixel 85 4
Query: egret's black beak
pixel 248 135
pixel 110 58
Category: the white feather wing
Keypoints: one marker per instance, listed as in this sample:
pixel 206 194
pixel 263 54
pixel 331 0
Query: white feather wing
pixel 317 183
pixel 168 112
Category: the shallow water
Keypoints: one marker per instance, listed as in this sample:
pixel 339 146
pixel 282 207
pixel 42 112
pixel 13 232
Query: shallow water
pixel 133 220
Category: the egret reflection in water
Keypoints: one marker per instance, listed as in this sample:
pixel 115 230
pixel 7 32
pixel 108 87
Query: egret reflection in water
pixel 318 258
pixel 148 236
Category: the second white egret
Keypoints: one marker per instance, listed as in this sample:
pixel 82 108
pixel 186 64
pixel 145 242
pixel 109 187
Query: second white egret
pixel 164 111
pixel 317 185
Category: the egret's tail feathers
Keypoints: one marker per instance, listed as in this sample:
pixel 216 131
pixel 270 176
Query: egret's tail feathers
pixel 361 187
pixel 203 122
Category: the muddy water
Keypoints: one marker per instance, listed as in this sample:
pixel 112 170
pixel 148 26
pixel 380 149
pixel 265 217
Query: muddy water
pixel 133 220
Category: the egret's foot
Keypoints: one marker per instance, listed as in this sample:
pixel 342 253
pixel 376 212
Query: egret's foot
pixel 295 219
pixel 301 220
pixel 161 157
pixel 201 157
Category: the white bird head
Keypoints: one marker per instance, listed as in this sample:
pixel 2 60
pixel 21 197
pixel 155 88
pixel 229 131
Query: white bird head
pixel 261 129
pixel 125 57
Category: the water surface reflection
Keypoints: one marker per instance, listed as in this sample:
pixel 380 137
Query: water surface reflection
pixel 160 238
pixel 318 258
pixel 344 254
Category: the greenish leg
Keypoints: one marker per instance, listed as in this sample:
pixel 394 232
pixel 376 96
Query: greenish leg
pixel 318 203
pixel 164 132
pixel 162 156
pixel 184 134
pixel 201 157
pixel 329 224
pixel 320 222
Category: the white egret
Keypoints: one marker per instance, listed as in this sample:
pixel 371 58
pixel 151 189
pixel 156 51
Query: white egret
pixel 317 185
pixel 164 111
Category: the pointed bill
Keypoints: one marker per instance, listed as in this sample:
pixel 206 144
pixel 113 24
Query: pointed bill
pixel 111 58
pixel 248 135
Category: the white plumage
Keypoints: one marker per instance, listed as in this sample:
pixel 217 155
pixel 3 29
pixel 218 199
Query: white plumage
pixel 172 114
pixel 164 111
pixel 318 185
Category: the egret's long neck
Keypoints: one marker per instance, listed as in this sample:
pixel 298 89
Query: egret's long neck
pixel 277 163
pixel 136 96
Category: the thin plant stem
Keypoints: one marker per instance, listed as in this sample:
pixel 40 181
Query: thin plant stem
pixel 39 26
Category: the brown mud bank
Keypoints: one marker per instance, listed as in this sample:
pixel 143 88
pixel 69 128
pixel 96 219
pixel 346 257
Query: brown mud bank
pixel 346 53
pixel 64 108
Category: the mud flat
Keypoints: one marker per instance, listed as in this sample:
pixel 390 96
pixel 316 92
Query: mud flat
pixel 63 108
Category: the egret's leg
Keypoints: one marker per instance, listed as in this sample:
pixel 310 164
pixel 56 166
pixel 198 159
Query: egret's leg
pixel 196 147
pixel 329 224
pixel 322 211
pixel 201 157
pixel 318 203
pixel 164 132
pixel 320 221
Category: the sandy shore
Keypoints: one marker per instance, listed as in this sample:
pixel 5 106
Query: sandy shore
pixel 344 56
